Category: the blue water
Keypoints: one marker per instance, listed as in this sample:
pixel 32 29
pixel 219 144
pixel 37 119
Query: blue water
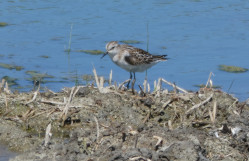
pixel 198 36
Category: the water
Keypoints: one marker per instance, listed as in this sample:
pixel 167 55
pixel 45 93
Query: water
pixel 198 35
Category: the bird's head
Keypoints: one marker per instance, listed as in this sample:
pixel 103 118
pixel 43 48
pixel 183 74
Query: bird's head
pixel 111 48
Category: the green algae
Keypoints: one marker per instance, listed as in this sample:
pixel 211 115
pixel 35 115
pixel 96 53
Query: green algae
pixel 38 76
pixel 232 69
pixel 10 66
pixel 131 42
pixel 3 24
pixel 34 73
pixel 92 52
pixel 45 56
pixel 203 85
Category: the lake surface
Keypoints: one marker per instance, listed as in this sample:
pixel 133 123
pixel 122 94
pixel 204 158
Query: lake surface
pixel 198 35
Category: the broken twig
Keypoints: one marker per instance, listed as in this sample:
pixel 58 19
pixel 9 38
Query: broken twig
pixel 34 96
pixel 200 104
pixel 172 84
pixel 121 85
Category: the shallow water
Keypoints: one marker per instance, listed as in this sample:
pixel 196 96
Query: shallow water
pixel 198 35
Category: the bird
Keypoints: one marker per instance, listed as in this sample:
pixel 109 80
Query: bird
pixel 131 59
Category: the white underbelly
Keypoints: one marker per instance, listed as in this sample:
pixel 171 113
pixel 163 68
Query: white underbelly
pixel 133 68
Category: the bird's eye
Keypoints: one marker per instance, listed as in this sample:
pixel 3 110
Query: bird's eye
pixel 112 47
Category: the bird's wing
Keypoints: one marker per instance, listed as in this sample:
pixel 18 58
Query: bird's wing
pixel 138 56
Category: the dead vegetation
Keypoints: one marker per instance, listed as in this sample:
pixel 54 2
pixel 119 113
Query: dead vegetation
pixel 113 124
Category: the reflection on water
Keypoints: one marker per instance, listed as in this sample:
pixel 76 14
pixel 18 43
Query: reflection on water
pixel 197 35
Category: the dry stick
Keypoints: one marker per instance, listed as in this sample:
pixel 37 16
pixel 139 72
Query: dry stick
pixel 30 112
pixel 110 78
pixel 96 77
pixel 119 87
pixel 159 84
pixel 97 126
pixel 200 104
pixel 145 85
pixel 48 134
pixel 65 110
pixel 35 95
pixel 175 89
pixel 170 125
pixel 52 102
pixel 2 85
pixel 209 80
pixel 142 92
pixel 52 111
pixel 147 117
pixel 6 88
pixel 211 115
pixel 148 88
pixel 158 87
pixel 154 85
pixel 214 110
pixel 136 140
pixel 236 100
pixel 159 140
pixel 172 84
pixel 101 82
pixel 115 85
pixel 51 91
pixel 76 91
pixel 166 104
pixel 38 114
pixel 6 102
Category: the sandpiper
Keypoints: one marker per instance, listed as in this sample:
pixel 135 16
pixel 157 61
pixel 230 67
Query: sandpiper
pixel 131 59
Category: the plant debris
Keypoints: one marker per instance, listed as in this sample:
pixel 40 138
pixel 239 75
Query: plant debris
pixel 110 123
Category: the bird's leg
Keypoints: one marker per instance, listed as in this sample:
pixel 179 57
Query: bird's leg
pixel 128 84
pixel 133 83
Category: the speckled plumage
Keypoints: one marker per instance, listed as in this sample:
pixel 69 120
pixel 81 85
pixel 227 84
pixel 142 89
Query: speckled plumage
pixel 131 58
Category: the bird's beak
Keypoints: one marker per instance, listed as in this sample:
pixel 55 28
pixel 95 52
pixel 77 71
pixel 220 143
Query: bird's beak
pixel 104 55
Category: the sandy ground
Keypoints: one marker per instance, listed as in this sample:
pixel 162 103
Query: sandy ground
pixel 88 124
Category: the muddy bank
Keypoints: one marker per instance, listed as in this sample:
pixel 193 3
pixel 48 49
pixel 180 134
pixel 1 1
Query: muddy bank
pixel 116 125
